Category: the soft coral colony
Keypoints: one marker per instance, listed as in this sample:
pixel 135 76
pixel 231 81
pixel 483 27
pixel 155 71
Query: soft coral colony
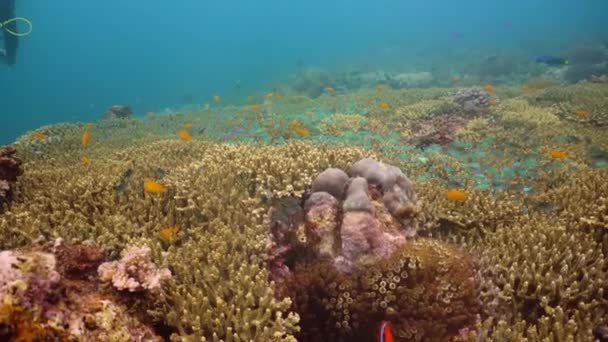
pixel 164 238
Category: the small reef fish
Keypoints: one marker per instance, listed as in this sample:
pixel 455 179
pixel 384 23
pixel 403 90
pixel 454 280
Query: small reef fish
pixel 85 161
pixel 184 135
pixel 558 154
pixel 250 99
pixel 154 187
pixel 525 88
pixel 86 137
pixel 380 88
pixel 385 106
pixel 455 78
pixel 489 88
pixel 216 98
pixel 255 107
pixel 150 115
pixel 39 136
pixel 493 101
pixel 551 60
pixel 89 125
pixel 330 89
pixel 187 125
pixel 169 233
pixel 298 128
pixel 124 181
pixel 310 114
pixel 583 114
pixel 385 332
pixel 269 96
pixel 456 195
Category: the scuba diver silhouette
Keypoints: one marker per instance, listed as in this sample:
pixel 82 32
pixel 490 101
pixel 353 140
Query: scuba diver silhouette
pixel 11 41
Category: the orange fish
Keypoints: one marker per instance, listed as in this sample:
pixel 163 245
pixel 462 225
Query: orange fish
pixel 216 98
pixel 39 136
pixel 489 88
pixel 525 88
pixel 493 101
pixel 330 89
pixel 310 114
pixel 169 233
pixel 184 135
pixel 385 332
pixel 297 127
pixel 154 186
pixel 187 125
pixel 385 106
pixel 456 195
pixel 558 154
pixel 89 125
pixel 380 88
pixel 85 161
pixel 255 107
pixel 455 78
pixel 583 114
pixel 86 137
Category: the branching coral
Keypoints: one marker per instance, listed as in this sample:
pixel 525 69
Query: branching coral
pixel 337 124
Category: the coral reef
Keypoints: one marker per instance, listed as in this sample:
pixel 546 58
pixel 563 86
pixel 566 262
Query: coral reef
pixel 134 272
pixel 41 301
pixel 118 112
pixel 10 169
pixel 415 79
pixel 472 100
pixel 337 124
pixel 344 259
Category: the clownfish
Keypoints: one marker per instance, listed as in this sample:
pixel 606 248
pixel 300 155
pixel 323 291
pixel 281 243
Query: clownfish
pixel 385 332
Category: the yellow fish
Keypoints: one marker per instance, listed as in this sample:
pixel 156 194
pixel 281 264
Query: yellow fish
pixel 89 125
pixel 385 106
pixel 188 125
pixel 169 233
pixel 255 107
pixel 39 136
pixel 85 161
pixel 269 95
pixel 558 154
pixel 297 127
pixel 457 195
pixel 154 186
pixel 216 98
pixel 184 135
pixel 86 137
pixel 583 114
pixel 330 89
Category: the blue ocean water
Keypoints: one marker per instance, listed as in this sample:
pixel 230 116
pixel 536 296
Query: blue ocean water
pixel 85 56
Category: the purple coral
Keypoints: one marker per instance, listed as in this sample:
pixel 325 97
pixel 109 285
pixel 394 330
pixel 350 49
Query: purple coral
pixel 134 272
pixel 472 100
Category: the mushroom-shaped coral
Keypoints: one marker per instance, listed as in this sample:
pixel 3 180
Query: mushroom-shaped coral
pixel 134 271
pixel 349 261
pixel 10 169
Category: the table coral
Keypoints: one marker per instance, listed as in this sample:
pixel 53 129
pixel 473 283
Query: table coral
pixel 134 272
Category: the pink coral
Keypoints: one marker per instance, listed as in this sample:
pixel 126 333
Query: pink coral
pixel 134 272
